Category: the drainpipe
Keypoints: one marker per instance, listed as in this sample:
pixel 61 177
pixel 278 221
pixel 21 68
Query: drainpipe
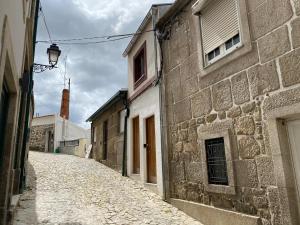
pixel 163 128
pixel 27 110
pixel 124 163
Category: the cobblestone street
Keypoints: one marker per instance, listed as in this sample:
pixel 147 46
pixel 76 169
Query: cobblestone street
pixel 65 189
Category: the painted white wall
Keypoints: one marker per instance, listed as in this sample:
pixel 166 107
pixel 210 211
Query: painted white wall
pixel 17 26
pixel 43 120
pixel 149 38
pixel 146 106
pixel 67 130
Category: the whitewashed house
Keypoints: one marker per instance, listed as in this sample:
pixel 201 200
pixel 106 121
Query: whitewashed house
pixel 144 155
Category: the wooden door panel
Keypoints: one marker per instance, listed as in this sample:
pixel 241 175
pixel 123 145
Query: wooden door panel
pixel 105 139
pixel 136 145
pixel 151 150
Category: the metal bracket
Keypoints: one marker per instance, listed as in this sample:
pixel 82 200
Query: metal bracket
pixel 39 68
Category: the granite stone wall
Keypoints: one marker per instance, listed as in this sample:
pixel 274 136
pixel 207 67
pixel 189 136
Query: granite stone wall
pixel 38 137
pixel 240 92
pixel 115 138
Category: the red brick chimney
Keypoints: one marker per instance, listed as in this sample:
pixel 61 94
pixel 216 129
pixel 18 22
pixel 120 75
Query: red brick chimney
pixel 65 100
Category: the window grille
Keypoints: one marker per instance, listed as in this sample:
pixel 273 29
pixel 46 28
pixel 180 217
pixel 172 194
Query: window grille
pixel 216 161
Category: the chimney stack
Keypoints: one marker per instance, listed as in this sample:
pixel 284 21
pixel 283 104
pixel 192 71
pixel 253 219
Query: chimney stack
pixel 65 101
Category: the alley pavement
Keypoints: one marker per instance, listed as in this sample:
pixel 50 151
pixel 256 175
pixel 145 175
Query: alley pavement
pixel 67 190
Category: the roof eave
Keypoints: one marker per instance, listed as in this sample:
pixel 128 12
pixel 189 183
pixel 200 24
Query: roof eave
pixel 121 93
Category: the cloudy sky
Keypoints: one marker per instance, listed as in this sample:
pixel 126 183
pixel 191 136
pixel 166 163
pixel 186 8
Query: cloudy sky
pixel 97 71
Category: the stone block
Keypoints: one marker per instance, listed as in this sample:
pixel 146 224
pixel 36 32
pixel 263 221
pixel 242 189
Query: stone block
pixel 269 15
pixel 248 148
pixel 260 201
pixel 274 44
pixel 246 174
pixel 211 118
pixel 265 171
pixel 189 68
pixel 189 87
pixel 240 88
pixel 179 147
pixel 282 99
pixel 193 171
pixel 192 134
pixel 222 115
pixel 182 111
pixel 221 94
pixel 201 103
pixel 201 121
pixel 234 112
pixel 190 147
pixel 295 24
pixel 230 68
pixel 290 68
pixel 245 126
pixel 249 107
pixel 177 169
pixel 297 6
pixel 263 79
pixel 183 135
pixel 212 215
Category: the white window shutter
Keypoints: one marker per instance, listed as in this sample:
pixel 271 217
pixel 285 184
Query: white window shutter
pixel 219 22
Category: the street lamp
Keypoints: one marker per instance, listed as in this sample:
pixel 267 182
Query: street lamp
pixel 53 55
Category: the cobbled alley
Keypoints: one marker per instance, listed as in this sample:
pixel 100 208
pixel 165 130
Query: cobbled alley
pixel 67 190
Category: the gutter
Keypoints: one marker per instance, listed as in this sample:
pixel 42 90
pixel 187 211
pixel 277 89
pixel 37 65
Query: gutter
pixel 160 83
pixel 124 162
pixel 28 101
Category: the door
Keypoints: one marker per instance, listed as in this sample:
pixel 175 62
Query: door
pixel 105 137
pixel 4 101
pixel 136 145
pixel 151 150
pixel 294 138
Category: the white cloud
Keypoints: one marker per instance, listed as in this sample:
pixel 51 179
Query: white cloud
pixel 96 71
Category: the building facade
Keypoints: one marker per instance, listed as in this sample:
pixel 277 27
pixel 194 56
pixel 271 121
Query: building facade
pixel 144 159
pixel 231 75
pixel 47 133
pixel 107 131
pixel 17 30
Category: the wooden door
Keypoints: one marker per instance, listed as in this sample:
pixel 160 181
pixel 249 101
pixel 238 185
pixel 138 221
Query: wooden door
pixel 294 139
pixel 151 150
pixel 136 145
pixel 105 137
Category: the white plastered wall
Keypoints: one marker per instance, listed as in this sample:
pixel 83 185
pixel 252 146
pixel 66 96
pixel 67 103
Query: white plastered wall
pixel 145 106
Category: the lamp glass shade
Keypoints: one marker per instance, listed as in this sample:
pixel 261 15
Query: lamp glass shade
pixel 53 54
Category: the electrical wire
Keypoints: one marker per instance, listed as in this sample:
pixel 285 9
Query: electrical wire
pixel 44 19
pixel 108 37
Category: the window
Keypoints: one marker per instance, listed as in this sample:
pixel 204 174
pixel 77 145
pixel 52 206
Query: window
pixel 140 66
pixel 223 32
pixel 219 29
pixel 122 115
pixel 217 144
pixel 94 134
pixel 216 161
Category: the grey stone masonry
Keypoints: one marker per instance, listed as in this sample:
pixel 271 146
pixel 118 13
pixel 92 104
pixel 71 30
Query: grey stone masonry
pixel 255 86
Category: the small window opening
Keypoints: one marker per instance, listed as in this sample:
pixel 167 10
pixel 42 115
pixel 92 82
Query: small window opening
pixel 216 161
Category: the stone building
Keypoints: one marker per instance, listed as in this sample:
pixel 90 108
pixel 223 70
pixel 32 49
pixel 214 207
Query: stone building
pixel 144 155
pixel 18 31
pixel 232 92
pixel 47 133
pixel 107 131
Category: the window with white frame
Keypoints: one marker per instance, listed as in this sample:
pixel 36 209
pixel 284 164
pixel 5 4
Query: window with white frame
pixel 220 29
pixel 122 120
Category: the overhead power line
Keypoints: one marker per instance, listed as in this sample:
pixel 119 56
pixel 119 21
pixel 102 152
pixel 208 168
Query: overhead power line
pixel 44 20
pixel 110 38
